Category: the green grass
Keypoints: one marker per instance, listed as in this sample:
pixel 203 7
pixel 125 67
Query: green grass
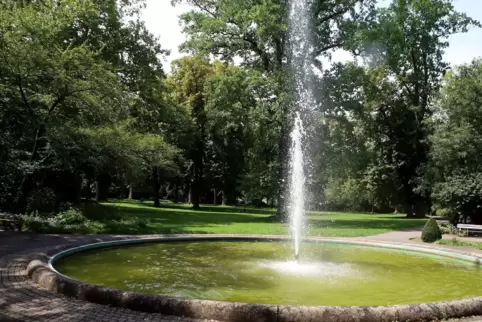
pixel 459 243
pixel 179 218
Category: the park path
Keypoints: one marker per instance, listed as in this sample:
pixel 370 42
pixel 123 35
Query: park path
pixel 22 300
pixel 401 236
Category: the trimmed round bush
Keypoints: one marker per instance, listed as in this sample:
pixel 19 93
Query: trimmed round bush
pixel 431 232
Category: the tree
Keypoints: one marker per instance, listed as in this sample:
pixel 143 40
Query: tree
pixel 256 32
pixel 73 72
pixel 414 35
pixel 229 100
pixel 457 144
pixel 189 77
pixel 57 84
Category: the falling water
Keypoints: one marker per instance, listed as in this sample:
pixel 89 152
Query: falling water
pixel 300 55
pixel 297 202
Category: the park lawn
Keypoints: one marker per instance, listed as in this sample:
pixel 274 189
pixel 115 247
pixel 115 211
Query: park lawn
pixel 459 243
pixel 173 218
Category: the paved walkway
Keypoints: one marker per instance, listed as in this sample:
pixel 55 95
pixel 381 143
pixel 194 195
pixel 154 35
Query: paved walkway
pixel 402 236
pixel 22 300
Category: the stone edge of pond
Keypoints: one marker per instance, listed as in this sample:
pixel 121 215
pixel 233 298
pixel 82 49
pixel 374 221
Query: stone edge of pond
pixel 41 271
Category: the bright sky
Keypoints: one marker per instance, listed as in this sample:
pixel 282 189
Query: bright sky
pixel 162 20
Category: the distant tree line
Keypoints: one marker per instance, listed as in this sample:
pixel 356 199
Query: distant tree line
pixel 87 111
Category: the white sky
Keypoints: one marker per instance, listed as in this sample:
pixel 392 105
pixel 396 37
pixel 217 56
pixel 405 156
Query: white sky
pixel 162 20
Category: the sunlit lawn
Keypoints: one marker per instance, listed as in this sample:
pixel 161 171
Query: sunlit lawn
pixel 460 243
pixel 179 218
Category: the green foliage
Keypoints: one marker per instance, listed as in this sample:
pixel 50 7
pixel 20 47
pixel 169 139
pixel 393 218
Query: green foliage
pixel 70 221
pixel 449 229
pixel 462 194
pixel 431 231
pixel 404 47
pixel 90 219
pixel 459 243
pixel 256 31
pixel 93 109
pixel 346 195
pixel 442 212
pixel 42 201
pixel 456 144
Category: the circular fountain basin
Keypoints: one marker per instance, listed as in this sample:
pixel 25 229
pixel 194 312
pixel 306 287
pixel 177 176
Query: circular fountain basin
pixel 264 272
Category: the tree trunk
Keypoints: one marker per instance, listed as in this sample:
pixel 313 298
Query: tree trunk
pixel 195 196
pixel 24 190
pixel 78 189
pixel 215 197
pixel 420 209
pixel 229 197
pixel 131 192
pixel 176 193
pixel 156 185
pixel 102 184
pixel 88 191
pixel 408 210
pixel 189 195
pixel 282 212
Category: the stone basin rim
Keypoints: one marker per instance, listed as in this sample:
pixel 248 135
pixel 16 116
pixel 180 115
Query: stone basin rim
pixel 42 272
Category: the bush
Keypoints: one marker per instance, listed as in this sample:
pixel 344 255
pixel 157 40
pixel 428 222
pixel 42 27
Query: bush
pixel 461 194
pixel 41 201
pixel 71 217
pixel 70 221
pixel 449 229
pixel 37 224
pixel 431 232
pixel 442 212
pixel 73 221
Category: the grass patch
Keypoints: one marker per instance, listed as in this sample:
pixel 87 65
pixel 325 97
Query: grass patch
pixel 459 243
pixel 132 217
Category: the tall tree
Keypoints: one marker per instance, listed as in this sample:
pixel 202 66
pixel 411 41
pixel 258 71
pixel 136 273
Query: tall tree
pixel 189 76
pixel 457 144
pixel 256 32
pixel 408 39
pixel 72 70
pixel 58 83
pixel 229 99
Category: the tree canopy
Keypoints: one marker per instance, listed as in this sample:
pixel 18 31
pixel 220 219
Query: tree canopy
pixel 86 109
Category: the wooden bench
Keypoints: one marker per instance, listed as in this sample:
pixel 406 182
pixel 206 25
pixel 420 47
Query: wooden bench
pixel 469 228
pixel 10 224
pixel 441 220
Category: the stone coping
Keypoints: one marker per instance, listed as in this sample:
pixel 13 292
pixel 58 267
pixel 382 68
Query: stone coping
pixel 41 271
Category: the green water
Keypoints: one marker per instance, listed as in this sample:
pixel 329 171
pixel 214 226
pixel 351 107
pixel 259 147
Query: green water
pixel 262 272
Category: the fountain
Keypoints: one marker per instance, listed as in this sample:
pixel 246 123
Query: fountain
pixel 296 200
pixel 300 53
pixel 176 274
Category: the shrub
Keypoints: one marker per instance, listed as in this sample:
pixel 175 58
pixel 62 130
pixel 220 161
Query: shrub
pixel 41 200
pixel 461 194
pixel 71 217
pixel 431 232
pixel 70 221
pixel 442 212
pixel 37 224
pixel 449 229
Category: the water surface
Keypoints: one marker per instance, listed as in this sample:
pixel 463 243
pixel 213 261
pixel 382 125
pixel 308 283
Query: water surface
pixel 264 272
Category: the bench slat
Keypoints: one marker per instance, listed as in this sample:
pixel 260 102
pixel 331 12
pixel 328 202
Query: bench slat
pixel 467 226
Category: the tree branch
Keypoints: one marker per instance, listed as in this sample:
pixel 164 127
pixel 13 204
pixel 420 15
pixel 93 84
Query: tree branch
pixel 335 13
pixel 22 94
pixel 328 47
pixel 204 8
